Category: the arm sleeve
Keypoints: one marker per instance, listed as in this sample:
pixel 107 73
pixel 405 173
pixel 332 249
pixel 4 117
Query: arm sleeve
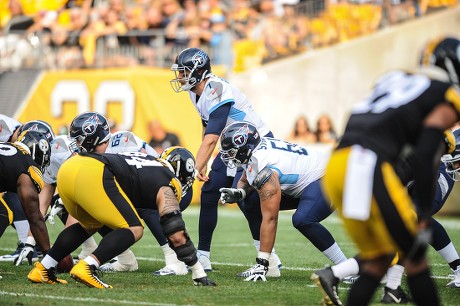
pixel 218 119
pixel 426 162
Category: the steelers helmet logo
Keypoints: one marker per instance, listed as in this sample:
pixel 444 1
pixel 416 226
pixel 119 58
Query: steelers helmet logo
pixel 189 165
pixel 90 125
pixel 43 145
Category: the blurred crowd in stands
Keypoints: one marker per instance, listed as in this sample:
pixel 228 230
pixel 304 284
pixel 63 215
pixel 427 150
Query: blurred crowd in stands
pixel 240 34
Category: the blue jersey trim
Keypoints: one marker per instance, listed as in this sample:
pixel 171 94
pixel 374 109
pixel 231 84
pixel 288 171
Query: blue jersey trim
pixel 236 114
pixel 286 178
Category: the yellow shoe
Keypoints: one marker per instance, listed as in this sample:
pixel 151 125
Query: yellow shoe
pixel 39 274
pixel 88 275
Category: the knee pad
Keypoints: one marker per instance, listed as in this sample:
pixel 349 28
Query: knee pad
pixel 173 223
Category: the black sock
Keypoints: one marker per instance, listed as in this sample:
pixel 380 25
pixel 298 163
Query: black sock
pixel 113 244
pixel 454 265
pixel 423 289
pixel 68 241
pixel 362 290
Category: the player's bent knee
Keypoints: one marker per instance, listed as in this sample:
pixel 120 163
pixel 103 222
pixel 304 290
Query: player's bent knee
pixel 138 232
pixel 174 229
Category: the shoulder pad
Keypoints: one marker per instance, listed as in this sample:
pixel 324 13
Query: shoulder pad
pixel 213 90
pixel 262 178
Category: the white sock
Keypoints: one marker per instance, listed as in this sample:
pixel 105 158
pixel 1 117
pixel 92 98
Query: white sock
pixel 90 260
pixel 87 247
pixel 22 228
pixel 394 276
pixel 205 253
pixel 127 257
pixel 335 254
pixel 345 268
pixel 170 255
pixel 197 270
pixel 49 262
pixel 449 253
pixel 257 246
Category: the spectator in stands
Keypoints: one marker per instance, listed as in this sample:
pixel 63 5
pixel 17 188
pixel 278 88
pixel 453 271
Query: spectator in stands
pixel 302 134
pixel 325 132
pixel 161 139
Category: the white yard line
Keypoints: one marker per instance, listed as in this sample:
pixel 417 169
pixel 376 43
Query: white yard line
pixel 110 301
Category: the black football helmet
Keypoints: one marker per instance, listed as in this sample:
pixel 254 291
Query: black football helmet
pixel 183 164
pixel 452 160
pixel 89 130
pixel 237 142
pixel 38 125
pixel 445 54
pixel 38 146
pixel 192 66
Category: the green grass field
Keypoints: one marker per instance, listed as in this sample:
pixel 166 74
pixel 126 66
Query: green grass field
pixel 232 252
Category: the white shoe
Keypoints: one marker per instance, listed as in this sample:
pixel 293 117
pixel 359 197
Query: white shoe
pixel 177 269
pixel 455 283
pixel 350 279
pixel 204 261
pixel 116 266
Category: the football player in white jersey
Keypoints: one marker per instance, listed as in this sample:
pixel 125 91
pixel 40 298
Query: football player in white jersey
pixel 219 104
pixel 9 129
pixel 286 176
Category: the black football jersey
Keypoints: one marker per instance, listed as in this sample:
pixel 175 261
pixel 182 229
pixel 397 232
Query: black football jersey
pixel 139 175
pixel 14 161
pixel 392 115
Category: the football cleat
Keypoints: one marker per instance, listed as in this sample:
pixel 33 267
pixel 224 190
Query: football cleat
pixel 395 296
pixel 176 269
pixel 88 274
pixel 204 261
pixel 117 266
pixel 455 282
pixel 204 281
pixel 328 284
pixel 350 279
pixel 39 274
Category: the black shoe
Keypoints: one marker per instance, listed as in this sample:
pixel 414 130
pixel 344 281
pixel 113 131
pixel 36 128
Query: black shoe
pixel 204 281
pixel 395 296
pixel 328 283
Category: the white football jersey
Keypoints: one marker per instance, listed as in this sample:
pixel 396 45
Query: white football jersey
pixel 7 127
pixel 297 167
pixel 125 141
pixel 219 92
pixel 61 149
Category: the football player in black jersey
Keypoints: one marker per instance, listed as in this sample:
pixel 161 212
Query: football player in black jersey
pixel 405 112
pixel 21 166
pixel 119 184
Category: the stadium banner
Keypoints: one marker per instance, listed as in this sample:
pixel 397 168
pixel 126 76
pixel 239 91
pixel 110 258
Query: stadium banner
pixel 131 97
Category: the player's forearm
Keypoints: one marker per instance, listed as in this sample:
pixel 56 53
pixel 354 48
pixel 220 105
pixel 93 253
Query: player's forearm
pixel 268 234
pixel 205 151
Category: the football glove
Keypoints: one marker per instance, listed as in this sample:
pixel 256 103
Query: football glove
pixel 204 281
pixel 26 252
pixel 258 272
pixel 231 195
pixel 421 242
pixel 55 210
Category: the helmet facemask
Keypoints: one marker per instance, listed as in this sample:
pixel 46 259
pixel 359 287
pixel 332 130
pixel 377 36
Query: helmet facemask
pixel 452 164
pixel 229 157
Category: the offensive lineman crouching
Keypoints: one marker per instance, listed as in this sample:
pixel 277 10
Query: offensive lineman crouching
pixel 118 183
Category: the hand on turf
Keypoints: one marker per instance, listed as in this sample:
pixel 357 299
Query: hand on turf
pixel 231 195
pixel 26 252
pixel 204 281
pixel 259 271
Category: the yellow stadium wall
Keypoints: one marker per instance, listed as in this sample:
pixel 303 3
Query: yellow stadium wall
pixel 130 96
